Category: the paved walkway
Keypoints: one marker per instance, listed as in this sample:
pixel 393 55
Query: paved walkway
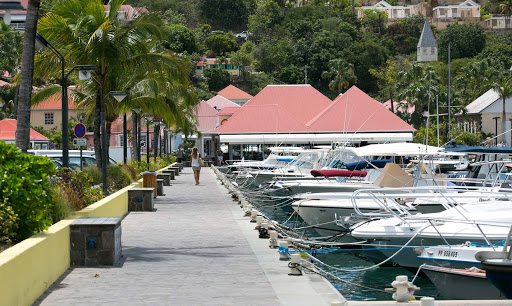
pixel 195 249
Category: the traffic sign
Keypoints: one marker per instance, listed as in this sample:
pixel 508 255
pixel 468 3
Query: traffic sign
pixel 80 142
pixel 143 144
pixel 79 130
pixel 52 146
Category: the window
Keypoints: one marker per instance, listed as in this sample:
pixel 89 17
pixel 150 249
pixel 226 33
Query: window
pixel 432 51
pixel 48 118
pixel 223 66
pixel 198 67
pixel 120 141
pixel 425 51
pixel 229 67
pixel 211 66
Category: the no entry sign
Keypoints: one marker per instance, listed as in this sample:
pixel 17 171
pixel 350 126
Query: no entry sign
pixel 79 130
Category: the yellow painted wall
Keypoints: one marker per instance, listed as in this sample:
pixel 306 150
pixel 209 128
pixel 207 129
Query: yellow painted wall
pixel 30 267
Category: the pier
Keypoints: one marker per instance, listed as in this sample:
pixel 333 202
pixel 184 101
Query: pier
pixel 196 248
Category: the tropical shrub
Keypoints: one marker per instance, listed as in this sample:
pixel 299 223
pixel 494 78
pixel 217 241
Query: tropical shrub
pixel 26 194
pixel 93 173
pixel 76 188
pixel 117 178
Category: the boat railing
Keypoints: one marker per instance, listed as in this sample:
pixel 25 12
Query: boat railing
pixel 397 201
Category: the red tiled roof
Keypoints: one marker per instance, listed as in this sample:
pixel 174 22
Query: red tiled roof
pixel 219 102
pixel 54 102
pixel 355 111
pixel 228 110
pixel 8 131
pixel 277 108
pixel 232 92
pixel 206 117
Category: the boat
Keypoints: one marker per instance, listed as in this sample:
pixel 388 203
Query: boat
pixel 462 284
pixel 485 222
pixel 498 266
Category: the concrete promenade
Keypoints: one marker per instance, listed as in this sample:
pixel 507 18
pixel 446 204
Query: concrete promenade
pixel 195 249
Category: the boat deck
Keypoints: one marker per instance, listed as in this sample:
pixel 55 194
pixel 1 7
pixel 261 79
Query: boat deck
pixel 195 249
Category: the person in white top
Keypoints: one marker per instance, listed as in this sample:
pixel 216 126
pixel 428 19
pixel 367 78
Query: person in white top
pixel 196 166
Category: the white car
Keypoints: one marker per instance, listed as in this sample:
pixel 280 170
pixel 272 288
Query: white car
pixel 243 34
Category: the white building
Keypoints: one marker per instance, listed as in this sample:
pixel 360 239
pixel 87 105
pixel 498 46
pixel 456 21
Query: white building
pixel 393 12
pixel 427 45
pixel 466 10
pixel 498 23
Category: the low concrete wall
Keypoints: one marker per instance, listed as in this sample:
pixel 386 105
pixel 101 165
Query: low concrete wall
pixel 31 266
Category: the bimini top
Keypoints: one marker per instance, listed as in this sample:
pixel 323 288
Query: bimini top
pixel 396 149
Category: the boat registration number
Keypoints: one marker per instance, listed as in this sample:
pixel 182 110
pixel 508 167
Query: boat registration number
pixel 447 253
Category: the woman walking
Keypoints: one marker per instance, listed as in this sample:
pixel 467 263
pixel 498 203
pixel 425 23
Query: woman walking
pixel 196 166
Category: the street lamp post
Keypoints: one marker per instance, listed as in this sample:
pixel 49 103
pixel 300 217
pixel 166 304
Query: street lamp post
pixel 119 96
pixel 43 43
pixel 156 138
pixel 496 128
pixel 148 120
pixel 136 134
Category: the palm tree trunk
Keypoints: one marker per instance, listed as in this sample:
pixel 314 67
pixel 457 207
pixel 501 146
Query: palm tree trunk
pixel 503 121
pixel 27 71
pixel 96 128
pixel 135 140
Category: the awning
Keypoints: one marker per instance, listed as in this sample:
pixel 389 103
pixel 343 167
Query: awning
pixel 315 138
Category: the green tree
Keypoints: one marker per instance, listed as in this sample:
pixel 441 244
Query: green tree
pixel 12 45
pixel 341 75
pixel 375 21
pixel 475 78
pixel 265 20
pixel 504 90
pixel 27 70
pixel 180 39
pixel 506 9
pixel 217 78
pixel 74 27
pixel 224 14
pixel 466 40
pixel 387 78
pixel 220 43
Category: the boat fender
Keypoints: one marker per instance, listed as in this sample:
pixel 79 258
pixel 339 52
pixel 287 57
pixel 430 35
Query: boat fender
pixel 403 289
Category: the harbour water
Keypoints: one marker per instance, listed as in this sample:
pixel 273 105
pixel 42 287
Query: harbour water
pixel 355 286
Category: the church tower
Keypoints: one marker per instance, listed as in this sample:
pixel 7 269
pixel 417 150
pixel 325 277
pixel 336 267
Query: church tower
pixel 427 46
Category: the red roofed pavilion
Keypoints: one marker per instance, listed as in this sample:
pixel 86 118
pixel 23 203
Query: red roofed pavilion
pixel 235 94
pixel 8 132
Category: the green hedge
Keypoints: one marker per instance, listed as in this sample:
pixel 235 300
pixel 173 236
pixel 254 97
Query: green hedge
pixel 27 194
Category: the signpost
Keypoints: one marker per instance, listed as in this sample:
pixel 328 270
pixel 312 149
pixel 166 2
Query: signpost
pixel 52 146
pixel 79 141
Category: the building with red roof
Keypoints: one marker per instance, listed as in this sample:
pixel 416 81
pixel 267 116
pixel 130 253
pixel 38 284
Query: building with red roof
pixel 8 134
pixel 48 113
pixel 235 94
pixel 301 115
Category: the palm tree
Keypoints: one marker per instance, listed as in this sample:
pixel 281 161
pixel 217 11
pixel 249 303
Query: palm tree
pixel 86 35
pixel 341 74
pixel 27 68
pixel 506 9
pixel 504 90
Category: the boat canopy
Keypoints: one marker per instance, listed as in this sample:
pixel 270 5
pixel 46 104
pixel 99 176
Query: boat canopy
pixel 480 149
pixel 396 149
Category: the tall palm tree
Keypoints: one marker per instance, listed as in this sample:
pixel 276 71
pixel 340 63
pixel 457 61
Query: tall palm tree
pixel 504 90
pixel 341 74
pixel 27 69
pixel 86 35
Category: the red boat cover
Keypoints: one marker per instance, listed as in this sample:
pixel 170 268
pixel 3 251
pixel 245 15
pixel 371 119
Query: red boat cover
pixel 331 173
